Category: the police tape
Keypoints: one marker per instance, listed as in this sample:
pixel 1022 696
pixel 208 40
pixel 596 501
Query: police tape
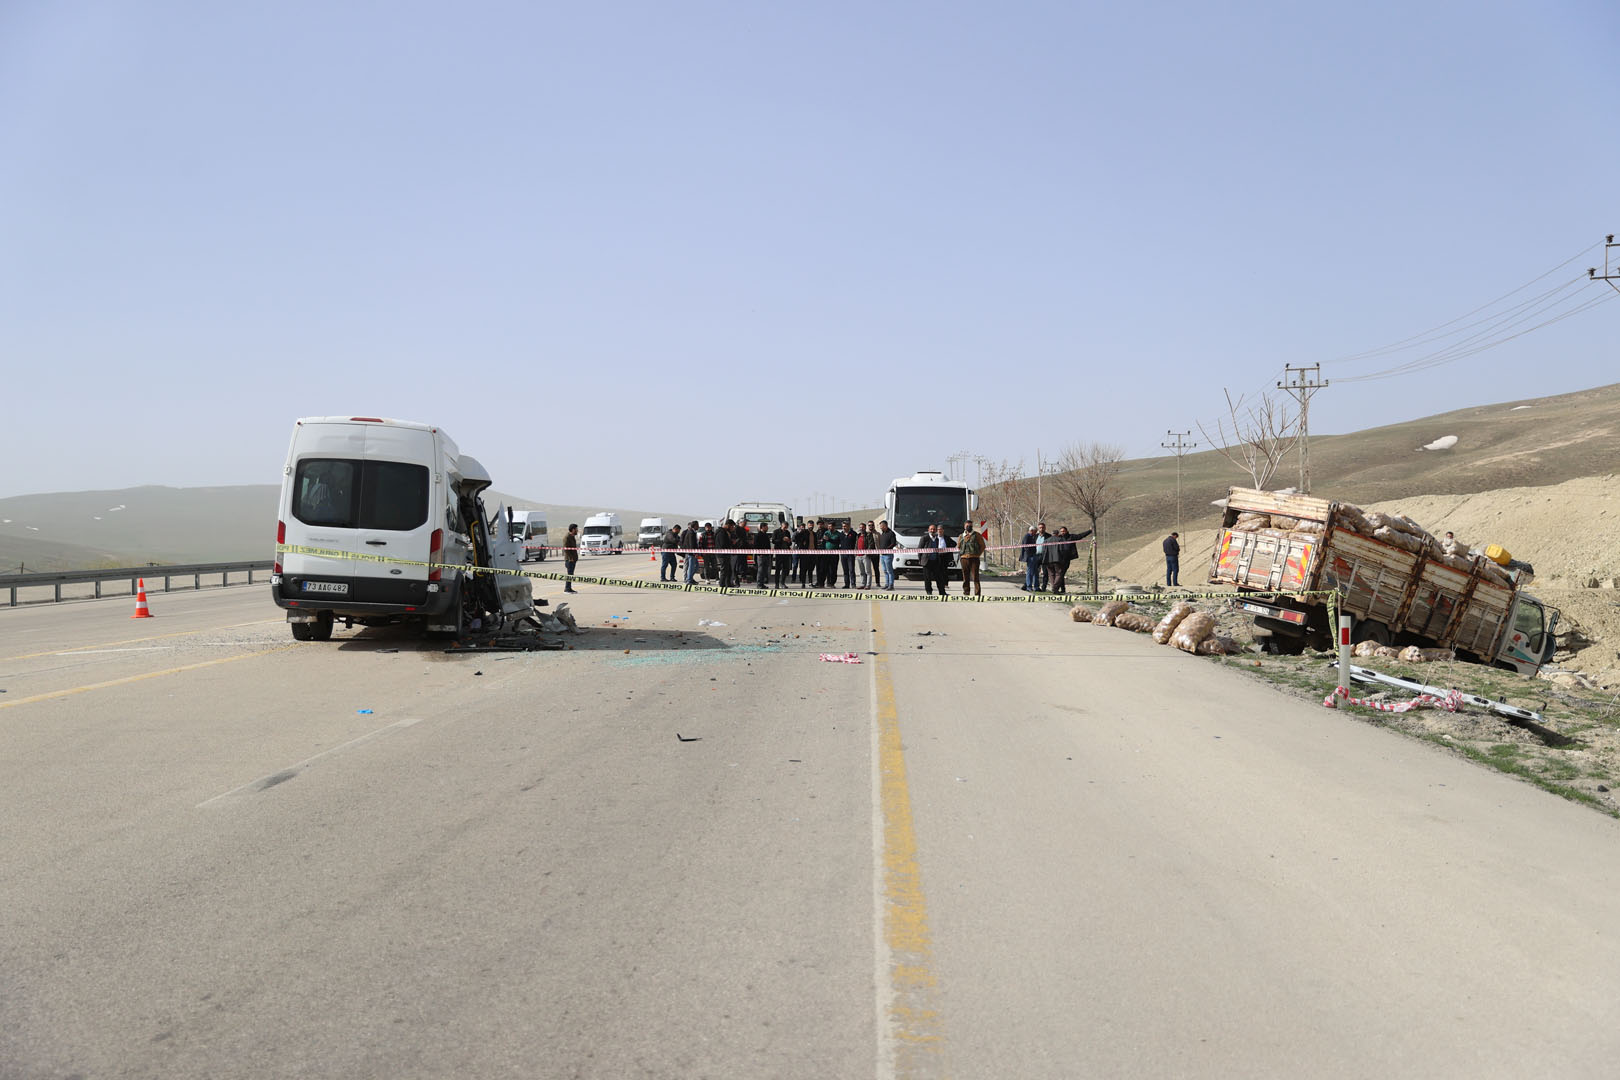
pixel 953 550
pixel 1156 597
pixel 1450 701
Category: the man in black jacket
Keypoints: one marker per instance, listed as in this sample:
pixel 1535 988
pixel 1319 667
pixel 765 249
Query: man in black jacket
pixel 689 541
pixel 762 557
pixel 1172 559
pixel 1061 550
pixel 933 554
pixel 669 542
pixel 887 541
pixel 724 541
pixel 782 542
pixel 804 545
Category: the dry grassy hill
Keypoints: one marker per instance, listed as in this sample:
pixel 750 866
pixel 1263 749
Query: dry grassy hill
pixel 79 530
pixel 1535 442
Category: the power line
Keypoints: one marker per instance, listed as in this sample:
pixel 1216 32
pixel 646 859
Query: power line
pixel 1473 344
pixel 1404 342
pixel 1479 334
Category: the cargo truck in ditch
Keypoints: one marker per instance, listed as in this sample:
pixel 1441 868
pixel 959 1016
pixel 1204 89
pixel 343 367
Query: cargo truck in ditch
pixel 1285 553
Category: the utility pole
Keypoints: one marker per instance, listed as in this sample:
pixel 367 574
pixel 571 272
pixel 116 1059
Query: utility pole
pixel 958 463
pixel 1300 383
pixel 1040 470
pixel 1180 448
pixel 1608 246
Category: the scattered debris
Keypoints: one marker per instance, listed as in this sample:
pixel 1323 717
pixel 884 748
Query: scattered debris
pixel 1450 701
pixel 363 712
pixel 683 738
pixel 846 658
pixel 710 622
pixel 1500 708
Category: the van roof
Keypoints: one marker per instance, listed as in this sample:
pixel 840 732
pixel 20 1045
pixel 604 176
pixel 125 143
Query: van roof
pixel 367 420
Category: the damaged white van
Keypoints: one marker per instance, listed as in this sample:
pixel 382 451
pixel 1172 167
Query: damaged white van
pixel 381 521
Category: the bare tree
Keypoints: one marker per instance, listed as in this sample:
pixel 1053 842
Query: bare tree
pixel 1087 478
pixel 1257 438
pixel 1006 498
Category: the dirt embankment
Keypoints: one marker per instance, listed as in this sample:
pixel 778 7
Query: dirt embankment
pixel 1570 533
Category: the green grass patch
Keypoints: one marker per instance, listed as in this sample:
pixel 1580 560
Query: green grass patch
pixel 1514 767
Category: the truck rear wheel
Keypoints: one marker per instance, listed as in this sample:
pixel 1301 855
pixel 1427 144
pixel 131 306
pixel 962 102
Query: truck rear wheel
pixel 1370 630
pixel 1285 644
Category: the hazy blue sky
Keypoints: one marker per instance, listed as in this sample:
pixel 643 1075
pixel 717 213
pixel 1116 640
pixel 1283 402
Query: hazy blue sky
pixel 678 254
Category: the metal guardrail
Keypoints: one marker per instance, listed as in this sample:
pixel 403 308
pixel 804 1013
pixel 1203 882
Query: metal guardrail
pixel 131 574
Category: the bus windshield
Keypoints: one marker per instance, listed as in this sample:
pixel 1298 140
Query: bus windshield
pixel 917 508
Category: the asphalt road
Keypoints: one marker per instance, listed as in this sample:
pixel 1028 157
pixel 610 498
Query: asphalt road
pixel 1004 845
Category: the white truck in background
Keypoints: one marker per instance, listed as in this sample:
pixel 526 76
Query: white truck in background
pixel 601 535
pixel 382 521
pixel 754 516
pixel 651 532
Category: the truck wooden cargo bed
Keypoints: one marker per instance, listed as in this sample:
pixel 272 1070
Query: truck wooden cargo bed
pixel 1405 592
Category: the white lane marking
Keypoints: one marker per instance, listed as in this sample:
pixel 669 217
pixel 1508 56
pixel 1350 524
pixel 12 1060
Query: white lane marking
pixel 168 648
pixel 271 779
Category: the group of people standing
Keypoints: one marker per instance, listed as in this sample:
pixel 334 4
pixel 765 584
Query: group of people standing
pixel 809 554
pixel 813 554
pixel 1048 556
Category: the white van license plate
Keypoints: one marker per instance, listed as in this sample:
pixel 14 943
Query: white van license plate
pixel 326 586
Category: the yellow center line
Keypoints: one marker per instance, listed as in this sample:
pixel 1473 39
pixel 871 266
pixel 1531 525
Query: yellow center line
pixel 910 1038
pixel 137 678
pixel 138 640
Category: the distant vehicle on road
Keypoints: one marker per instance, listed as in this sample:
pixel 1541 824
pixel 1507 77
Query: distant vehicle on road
pixel 534 536
pixel 651 531
pixel 601 535
pixel 755 515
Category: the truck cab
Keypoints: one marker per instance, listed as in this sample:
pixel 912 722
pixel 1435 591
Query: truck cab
pixel 601 535
pixel 755 516
pixel 1529 642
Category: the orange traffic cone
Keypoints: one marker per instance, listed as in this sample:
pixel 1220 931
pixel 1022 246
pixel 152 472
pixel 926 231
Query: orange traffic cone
pixel 141 610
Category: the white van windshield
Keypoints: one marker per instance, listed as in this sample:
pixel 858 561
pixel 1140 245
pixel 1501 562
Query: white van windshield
pixel 360 494
pixel 598 530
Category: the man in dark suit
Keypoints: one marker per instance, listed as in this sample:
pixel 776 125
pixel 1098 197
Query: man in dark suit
pixel 933 554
